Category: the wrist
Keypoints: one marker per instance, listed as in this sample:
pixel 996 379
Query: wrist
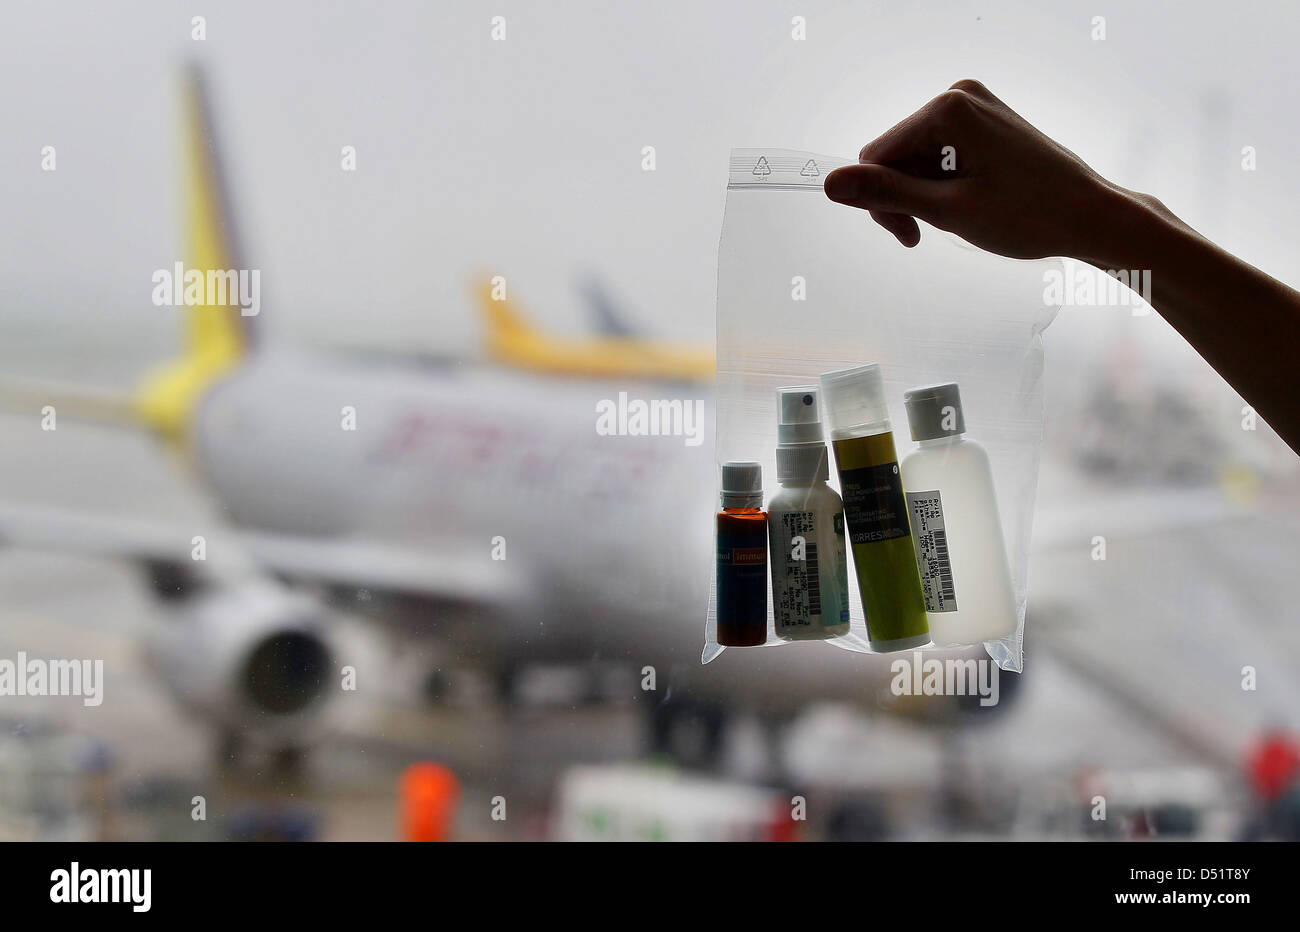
pixel 1124 229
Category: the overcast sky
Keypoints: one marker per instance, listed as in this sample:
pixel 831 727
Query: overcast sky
pixel 523 157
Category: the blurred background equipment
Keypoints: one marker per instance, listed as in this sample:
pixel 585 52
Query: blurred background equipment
pixel 53 784
pixel 1273 766
pixel 655 804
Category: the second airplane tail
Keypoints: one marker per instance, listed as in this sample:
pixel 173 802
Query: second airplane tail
pixel 513 341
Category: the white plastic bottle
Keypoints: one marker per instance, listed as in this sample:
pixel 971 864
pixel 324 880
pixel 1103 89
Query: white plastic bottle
pixel 959 543
pixel 805 520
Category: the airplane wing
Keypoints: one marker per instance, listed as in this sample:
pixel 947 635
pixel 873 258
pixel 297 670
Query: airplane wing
pixel 383 567
pixel 350 562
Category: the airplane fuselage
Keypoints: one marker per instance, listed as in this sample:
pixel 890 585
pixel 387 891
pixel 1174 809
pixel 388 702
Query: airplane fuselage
pixel 612 532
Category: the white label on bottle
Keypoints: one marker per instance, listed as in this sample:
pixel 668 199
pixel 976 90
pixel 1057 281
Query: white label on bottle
pixel 798 594
pixel 932 550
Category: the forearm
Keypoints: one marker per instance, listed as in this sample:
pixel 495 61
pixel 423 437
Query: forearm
pixel 1243 322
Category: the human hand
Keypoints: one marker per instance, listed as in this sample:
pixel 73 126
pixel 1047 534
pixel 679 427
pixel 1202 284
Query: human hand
pixel 1002 186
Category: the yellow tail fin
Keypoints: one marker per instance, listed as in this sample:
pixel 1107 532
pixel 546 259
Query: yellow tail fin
pixel 515 342
pixel 216 334
pixel 504 322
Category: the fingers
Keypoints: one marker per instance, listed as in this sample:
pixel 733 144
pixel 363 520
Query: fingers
pixel 975 89
pixel 917 144
pixel 903 176
pixel 886 190
pixel 903 227
pixel 912 145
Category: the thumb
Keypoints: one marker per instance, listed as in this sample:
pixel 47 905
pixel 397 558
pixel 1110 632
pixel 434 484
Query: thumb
pixel 880 188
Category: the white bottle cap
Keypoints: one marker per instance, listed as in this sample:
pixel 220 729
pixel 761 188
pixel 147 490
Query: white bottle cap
pixel 854 397
pixel 742 484
pixel 934 411
pixel 801 447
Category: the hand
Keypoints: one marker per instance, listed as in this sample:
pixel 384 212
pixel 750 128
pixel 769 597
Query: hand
pixel 1003 185
pixel 1007 188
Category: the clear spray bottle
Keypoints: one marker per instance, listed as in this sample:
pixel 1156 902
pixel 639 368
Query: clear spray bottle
pixel 810 571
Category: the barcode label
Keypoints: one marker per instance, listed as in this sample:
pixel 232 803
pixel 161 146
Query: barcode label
pixel 814 581
pixel 932 557
pixel 797 598
pixel 945 568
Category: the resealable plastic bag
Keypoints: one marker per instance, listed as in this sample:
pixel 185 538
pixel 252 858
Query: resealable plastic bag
pixel 806 286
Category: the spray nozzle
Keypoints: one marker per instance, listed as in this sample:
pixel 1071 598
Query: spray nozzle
pixel 799 417
pixel 800 447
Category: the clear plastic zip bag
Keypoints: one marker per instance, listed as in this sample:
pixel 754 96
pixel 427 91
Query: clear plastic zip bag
pixel 807 286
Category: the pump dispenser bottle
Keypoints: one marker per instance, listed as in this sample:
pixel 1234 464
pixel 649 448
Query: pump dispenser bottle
pixel 805 520
pixel 874 505
pixel 742 557
pixel 963 557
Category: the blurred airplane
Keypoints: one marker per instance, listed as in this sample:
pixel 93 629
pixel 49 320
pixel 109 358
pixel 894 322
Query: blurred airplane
pixel 477 504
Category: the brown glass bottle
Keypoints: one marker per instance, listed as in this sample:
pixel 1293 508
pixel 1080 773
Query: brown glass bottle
pixel 742 583
pixel 742 577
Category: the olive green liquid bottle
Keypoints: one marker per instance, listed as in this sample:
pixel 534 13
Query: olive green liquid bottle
pixel 875 510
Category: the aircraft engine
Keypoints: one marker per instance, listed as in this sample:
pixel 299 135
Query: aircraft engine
pixel 251 657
